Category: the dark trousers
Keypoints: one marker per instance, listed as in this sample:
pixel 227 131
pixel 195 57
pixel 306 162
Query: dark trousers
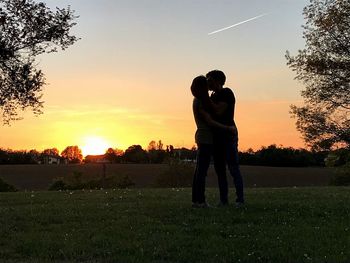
pixel 226 153
pixel 204 154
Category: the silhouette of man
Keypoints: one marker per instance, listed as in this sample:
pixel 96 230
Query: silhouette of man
pixel 225 146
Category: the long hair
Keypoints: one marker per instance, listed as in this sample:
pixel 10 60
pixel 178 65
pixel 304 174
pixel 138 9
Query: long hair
pixel 199 87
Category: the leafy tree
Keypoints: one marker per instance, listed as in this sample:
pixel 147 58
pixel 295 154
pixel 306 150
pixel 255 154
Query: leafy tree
pixel 280 156
pixel 52 151
pixel 248 157
pixel 35 155
pixel 4 158
pixel 18 157
pixel 118 152
pixel 160 145
pixel 156 156
pixel 170 150
pixel 156 153
pixel 273 155
pixel 324 68
pixel 340 159
pixel 28 29
pixel 114 155
pixel 73 154
pixel 135 154
pixel 152 145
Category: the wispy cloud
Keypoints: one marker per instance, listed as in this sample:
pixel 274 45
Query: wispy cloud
pixel 83 114
pixel 86 111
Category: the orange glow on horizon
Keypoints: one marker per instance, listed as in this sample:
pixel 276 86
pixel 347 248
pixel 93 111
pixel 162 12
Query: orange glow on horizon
pixel 96 131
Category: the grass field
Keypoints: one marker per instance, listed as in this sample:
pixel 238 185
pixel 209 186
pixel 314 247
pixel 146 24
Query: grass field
pixel 158 225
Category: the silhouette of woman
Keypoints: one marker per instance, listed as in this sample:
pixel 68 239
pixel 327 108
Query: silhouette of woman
pixel 203 138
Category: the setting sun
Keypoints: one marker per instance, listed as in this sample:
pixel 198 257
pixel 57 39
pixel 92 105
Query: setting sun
pixel 94 146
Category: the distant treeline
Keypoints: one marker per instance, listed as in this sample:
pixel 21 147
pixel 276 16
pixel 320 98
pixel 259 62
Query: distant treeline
pixel 283 157
pixel 155 153
pixel 17 157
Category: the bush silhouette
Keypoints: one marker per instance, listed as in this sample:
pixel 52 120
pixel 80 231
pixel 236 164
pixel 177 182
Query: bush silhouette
pixel 5 187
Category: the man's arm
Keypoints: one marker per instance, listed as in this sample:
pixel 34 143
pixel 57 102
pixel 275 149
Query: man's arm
pixel 226 100
pixel 219 108
pixel 208 119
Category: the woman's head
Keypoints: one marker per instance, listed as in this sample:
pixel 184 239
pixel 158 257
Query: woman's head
pixel 199 87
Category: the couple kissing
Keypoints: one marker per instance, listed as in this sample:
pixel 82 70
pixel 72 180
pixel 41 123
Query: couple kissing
pixel 216 136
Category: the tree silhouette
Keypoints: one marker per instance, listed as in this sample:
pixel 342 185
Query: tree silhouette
pixel 28 29
pixel 152 145
pixel 160 145
pixel 52 151
pixel 324 68
pixel 114 155
pixel 73 154
pixel 135 154
pixel 35 155
pixel 156 153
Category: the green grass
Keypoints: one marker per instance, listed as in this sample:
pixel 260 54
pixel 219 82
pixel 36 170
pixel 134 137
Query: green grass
pixel 158 225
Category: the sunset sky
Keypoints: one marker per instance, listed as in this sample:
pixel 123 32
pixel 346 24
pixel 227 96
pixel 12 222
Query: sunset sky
pixel 127 80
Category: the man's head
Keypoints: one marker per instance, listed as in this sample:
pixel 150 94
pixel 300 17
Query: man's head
pixel 216 79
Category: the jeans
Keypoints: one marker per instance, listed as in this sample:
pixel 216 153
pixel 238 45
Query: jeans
pixel 204 154
pixel 226 153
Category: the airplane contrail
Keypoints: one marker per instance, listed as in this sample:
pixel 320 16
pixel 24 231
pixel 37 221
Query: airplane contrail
pixel 240 23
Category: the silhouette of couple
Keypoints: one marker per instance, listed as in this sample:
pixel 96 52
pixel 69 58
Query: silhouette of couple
pixel 216 136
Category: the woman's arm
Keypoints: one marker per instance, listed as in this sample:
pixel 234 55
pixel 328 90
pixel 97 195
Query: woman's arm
pixel 209 120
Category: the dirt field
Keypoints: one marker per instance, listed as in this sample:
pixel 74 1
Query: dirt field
pixel 39 177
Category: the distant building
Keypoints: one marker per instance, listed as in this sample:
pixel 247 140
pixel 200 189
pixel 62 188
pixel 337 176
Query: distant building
pixel 96 159
pixel 51 159
pixel 54 159
pixel 185 154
